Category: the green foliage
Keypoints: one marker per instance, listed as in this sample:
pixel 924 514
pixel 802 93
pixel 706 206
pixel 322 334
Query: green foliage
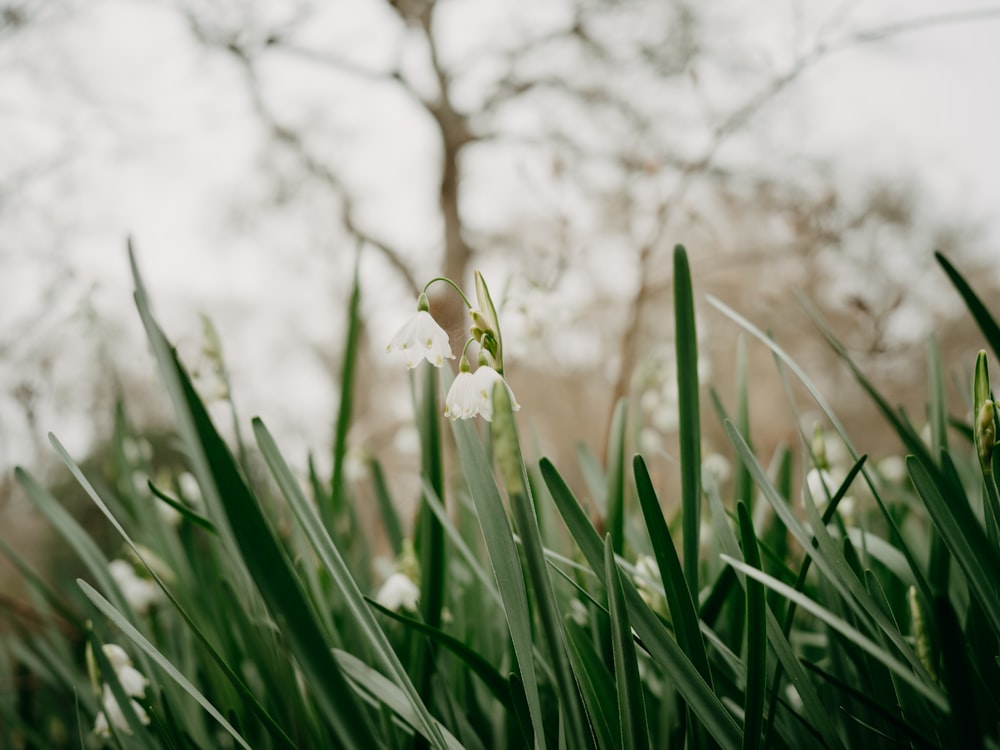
pixel 248 606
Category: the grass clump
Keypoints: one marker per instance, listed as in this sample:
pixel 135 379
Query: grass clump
pixel 240 611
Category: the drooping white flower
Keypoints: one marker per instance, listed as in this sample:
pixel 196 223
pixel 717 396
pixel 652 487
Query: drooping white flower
pixel 134 684
pixel 472 393
pixel 462 401
pixel 398 592
pixel 117 717
pixel 140 593
pixel 485 378
pixel 421 338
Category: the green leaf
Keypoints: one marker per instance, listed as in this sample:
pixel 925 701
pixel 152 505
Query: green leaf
pixel 504 561
pixel 686 342
pixel 615 496
pixel 653 636
pixel 479 665
pixel 258 709
pixel 228 497
pixel 901 670
pixel 347 372
pixel 777 637
pixel 343 580
pixel 376 689
pixel 597 688
pixel 631 707
pixel 979 311
pixel 151 651
pixel 507 450
pixel 755 685
pixel 958 677
pixel 966 539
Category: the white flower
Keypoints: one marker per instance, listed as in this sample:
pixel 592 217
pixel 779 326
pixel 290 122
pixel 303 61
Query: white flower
pixel 134 684
pixel 472 394
pixel 462 401
pixel 421 338
pixel 114 711
pixel 140 593
pixel 398 592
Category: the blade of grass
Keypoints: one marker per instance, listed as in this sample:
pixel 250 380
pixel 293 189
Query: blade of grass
pixel 162 661
pixel 755 684
pixel 346 586
pixel 616 478
pixel 928 690
pixel 979 311
pixel 258 709
pixel 822 726
pixel 965 538
pixel 504 560
pixel 248 532
pixel 387 509
pixel 375 688
pixel 347 373
pixel 678 595
pixel 507 450
pixel 595 683
pixel 689 430
pixel 653 636
pixel 631 708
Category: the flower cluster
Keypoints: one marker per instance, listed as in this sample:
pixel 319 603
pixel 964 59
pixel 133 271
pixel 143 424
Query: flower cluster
pixel 421 338
pixel 134 684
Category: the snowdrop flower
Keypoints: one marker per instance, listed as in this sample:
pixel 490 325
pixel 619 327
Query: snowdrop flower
pixel 462 401
pixel 140 593
pixel 133 683
pixel 421 338
pixel 821 486
pixel 398 592
pixel 472 393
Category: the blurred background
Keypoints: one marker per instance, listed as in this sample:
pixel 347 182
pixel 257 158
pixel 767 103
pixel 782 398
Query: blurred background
pixel 562 147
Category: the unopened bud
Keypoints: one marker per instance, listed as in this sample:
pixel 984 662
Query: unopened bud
pixel 985 433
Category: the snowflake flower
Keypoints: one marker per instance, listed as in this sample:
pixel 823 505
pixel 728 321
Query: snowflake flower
pixel 140 593
pixel 472 394
pixel 398 592
pixel 421 338
pixel 134 684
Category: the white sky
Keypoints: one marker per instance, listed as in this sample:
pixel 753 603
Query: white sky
pixel 166 151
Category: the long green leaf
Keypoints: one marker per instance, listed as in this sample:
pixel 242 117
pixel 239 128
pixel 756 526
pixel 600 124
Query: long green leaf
pixel 504 560
pixel 965 537
pixel 229 500
pixel 375 688
pixel 596 686
pixel 507 450
pixel 273 727
pixel 928 690
pixel 756 653
pixel 686 343
pixel 347 373
pixel 631 707
pixel 653 635
pixel 822 723
pixel 615 496
pixel 151 651
pixel 347 588
pixel 980 313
